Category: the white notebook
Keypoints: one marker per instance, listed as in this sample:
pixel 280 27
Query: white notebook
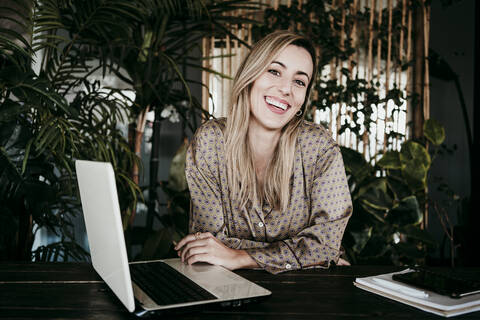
pixel 422 299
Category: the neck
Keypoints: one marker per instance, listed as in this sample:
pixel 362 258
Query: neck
pixel 262 143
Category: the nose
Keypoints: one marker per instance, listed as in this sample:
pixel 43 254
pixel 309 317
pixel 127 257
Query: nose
pixel 285 87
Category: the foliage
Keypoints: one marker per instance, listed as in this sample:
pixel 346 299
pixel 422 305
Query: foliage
pixel 48 119
pixel 389 200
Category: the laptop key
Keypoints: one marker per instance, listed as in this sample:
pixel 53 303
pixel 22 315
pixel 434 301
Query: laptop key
pixel 165 285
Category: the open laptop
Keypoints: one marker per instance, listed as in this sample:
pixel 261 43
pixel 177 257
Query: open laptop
pixel 135 282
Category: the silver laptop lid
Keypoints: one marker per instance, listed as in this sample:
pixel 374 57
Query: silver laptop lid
pixel 98 192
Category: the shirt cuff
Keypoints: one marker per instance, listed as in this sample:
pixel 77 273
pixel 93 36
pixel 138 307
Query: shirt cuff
pixel 275 259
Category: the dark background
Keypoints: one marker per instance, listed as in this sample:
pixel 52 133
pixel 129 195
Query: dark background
pixel 452 35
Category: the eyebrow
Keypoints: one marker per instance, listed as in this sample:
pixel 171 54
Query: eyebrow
pixel 298 72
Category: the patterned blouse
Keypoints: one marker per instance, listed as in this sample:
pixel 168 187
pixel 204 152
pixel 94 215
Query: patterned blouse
pixel 307 234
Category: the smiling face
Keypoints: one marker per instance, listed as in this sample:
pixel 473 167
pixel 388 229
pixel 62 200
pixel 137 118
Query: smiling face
pixel 280 91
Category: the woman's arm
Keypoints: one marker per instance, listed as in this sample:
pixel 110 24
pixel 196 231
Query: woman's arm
pixel 205 247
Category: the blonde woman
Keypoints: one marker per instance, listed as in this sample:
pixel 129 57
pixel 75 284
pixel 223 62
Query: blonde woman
pixel 268 189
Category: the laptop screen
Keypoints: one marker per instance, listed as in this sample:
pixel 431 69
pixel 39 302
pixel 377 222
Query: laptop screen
pixel 98 193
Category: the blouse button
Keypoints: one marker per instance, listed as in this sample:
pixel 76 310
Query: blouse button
pixel 260 224
pixel 288 266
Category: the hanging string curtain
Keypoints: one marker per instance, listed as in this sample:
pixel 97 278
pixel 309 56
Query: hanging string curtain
pixel 372 66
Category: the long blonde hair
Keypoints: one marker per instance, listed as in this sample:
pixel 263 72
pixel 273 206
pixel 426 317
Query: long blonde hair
pixel 241 174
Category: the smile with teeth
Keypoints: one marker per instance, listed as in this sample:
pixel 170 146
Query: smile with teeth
pixel 276 103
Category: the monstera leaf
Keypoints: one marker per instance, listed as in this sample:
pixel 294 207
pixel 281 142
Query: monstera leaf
pixel 355 164
pixel 415 162
pixel 407 211
pixel 398 186
pixel 376 195
pixel 434 131
pixel 390 160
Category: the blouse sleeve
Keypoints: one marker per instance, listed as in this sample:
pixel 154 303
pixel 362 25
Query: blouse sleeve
pixel 319 243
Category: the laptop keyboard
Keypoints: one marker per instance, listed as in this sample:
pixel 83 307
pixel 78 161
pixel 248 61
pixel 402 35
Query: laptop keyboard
pixel 165 285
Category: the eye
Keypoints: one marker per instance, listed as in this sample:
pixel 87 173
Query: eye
pixel 300 83
pixel 274 72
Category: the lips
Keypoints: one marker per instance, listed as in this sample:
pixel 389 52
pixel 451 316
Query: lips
pixel 276 105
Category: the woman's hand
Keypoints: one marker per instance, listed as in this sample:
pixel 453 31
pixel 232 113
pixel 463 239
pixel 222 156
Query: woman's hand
pixel 342 262
pixel 204 247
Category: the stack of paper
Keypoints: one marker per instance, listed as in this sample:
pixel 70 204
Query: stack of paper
pixel 422 299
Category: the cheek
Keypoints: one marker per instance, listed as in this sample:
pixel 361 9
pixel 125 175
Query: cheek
pixel 262 83
pixel 300 98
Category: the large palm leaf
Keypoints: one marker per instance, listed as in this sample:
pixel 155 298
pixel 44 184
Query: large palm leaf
pixel 46 122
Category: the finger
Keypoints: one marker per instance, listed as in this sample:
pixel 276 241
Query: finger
pixel 194 251
pixel 206 235
pixel 201 257
pixel 184 241
pixel 192 237
pixel 342 262
pixel 192 244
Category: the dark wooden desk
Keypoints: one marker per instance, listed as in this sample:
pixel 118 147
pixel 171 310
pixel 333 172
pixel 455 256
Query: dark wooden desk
pixel 74 291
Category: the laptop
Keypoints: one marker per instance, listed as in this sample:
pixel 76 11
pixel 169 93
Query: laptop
pixel 141 286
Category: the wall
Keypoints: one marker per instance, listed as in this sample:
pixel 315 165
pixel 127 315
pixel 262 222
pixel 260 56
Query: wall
pixel 452 36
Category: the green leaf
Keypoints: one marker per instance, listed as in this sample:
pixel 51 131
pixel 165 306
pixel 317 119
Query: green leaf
pixel 398 186
pixel 414 151
pixel 372 212
pixel 390 160
pixel 375 247
pixel 4 41
pixel 407 211
pixel 415 165
pixel 415 174
pixel 147 42
pixel 375 194
pixel 434 131
pixel 361 238
pixel 355 164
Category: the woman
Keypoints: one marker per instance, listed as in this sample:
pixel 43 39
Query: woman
pixel 268 189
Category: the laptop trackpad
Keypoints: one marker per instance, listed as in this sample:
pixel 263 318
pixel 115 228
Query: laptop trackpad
pixel 217 280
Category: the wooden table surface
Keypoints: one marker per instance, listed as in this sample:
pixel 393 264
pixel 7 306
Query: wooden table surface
pixel 75 291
